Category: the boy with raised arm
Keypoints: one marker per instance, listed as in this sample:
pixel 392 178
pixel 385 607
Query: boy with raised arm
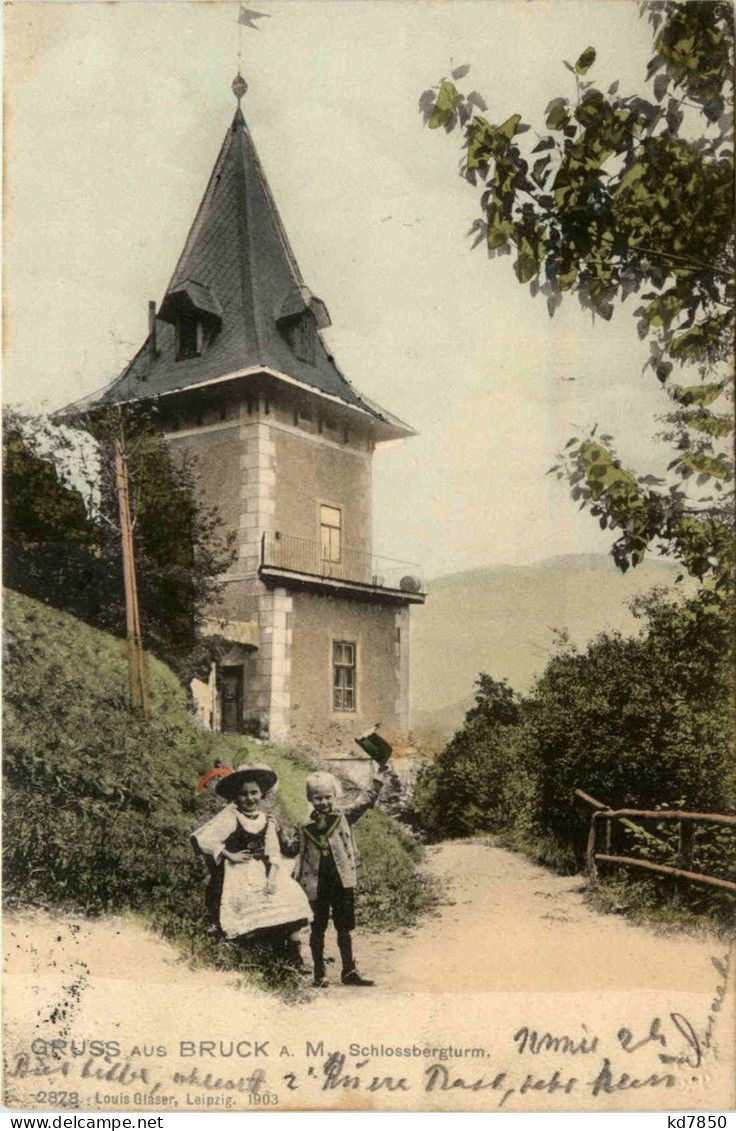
pixel 327 869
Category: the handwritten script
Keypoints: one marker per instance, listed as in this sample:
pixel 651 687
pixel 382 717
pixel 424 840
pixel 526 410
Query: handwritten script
pixel 529 1067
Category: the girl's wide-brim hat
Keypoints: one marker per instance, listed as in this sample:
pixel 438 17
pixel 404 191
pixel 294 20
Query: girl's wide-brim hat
pixel 229 787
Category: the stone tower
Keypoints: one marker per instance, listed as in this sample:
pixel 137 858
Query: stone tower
pixel 316 629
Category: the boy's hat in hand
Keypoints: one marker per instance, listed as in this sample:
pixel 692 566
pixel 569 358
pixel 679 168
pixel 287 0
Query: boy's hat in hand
pixel 376 747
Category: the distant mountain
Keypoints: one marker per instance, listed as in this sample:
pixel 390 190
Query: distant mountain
pixel 431 729
pixel 503 619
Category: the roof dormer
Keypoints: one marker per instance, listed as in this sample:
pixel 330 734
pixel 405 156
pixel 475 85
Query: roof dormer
pixel 196 315
pixel 298 300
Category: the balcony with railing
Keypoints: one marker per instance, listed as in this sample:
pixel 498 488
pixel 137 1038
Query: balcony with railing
pixel 285 557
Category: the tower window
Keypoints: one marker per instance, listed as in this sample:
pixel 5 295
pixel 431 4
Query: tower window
pixel 191 337
pixel 330 532
pixel 301 334
pixel 343 675
pixel 304 345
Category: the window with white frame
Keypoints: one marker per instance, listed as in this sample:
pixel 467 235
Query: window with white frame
pixel 343 675
pixel 330 533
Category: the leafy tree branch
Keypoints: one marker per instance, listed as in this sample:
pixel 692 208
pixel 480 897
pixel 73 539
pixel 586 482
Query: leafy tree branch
pixel 627 195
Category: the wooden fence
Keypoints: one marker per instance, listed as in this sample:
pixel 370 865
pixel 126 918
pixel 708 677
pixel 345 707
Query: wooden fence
pixel 603 818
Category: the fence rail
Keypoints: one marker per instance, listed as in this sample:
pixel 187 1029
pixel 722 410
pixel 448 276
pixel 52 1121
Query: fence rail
pixel 629 818
pixel 303 555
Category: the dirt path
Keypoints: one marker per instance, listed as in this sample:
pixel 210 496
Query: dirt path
pixel 511 945
pixel 506 924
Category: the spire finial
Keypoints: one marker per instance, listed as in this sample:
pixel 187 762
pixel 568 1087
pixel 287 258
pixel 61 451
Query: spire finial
pixel 239 87
pixel 246 18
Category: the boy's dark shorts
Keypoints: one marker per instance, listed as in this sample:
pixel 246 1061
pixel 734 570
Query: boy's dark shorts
pixel 333 897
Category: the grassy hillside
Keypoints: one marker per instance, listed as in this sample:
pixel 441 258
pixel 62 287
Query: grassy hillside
pixel 98 806
pixel 502 620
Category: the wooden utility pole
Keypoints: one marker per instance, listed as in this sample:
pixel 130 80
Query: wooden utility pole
pixel 137 671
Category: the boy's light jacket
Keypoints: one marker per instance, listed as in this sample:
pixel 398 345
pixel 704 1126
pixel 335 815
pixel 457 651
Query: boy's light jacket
pixel 341 842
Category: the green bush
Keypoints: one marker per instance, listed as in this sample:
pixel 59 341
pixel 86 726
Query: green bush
pixel 460 792
pixel 639 723
pixel 662 904
pixel 389 891
pixel 98 806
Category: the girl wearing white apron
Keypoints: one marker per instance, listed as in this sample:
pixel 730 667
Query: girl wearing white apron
pixel 251 888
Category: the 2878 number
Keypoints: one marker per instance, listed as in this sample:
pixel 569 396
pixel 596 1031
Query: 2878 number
pixel 58 1099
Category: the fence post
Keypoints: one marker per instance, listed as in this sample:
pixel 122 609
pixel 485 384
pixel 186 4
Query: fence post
pixel 590 851
pixel 686 830
pixel 685 845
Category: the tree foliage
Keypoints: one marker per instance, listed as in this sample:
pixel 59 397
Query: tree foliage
pixel 460 792
pixel 620 195
pixel 51 545
pixel 644 722
pixel 181 547
pixel 61 523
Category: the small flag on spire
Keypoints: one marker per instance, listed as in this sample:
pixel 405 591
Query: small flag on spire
pixel 246 17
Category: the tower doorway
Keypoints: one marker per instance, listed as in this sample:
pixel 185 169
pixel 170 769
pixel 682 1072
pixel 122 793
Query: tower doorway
pixel 231 698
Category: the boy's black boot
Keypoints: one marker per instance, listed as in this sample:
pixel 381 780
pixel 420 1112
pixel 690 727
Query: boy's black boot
pixel 350 976
pixel 353 978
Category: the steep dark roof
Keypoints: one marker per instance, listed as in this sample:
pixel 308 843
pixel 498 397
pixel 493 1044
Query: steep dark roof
pixel 238 269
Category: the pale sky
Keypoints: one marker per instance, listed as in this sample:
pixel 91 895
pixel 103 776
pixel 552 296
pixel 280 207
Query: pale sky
pixel 114 116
